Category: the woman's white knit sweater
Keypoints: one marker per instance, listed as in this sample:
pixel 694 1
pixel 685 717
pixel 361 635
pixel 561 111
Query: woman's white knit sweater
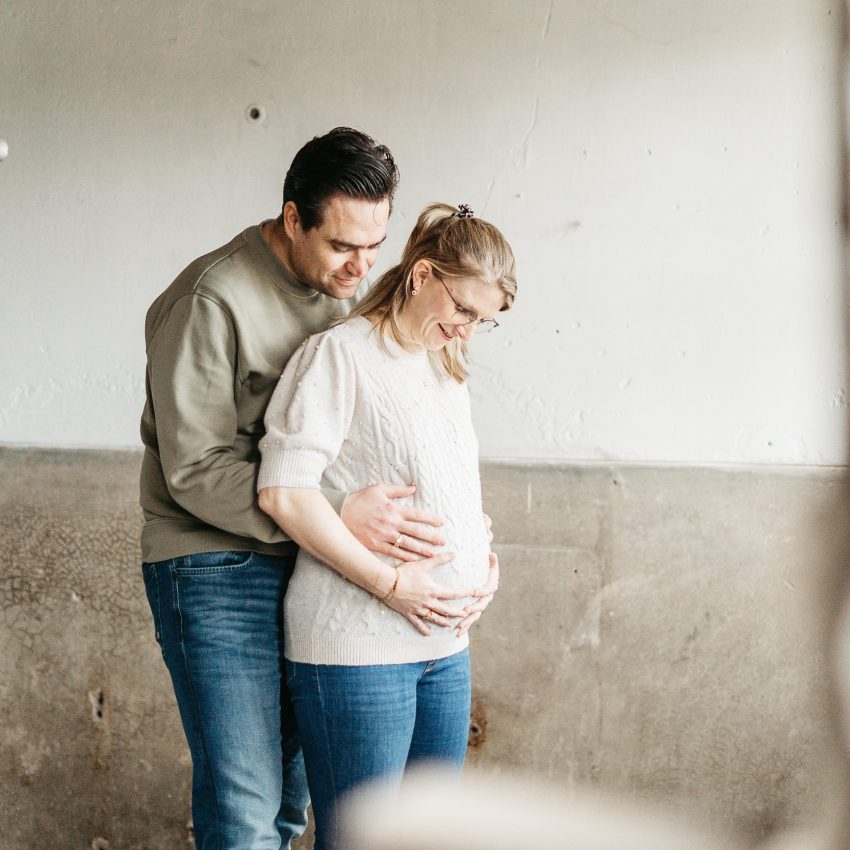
pixel 347 414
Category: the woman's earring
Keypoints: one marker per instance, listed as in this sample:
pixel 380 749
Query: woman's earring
pixel 414 291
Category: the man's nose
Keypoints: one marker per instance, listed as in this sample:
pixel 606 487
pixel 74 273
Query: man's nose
pixel 359 264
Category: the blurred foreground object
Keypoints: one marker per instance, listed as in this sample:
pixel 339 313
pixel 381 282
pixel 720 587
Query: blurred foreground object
pixel 485 812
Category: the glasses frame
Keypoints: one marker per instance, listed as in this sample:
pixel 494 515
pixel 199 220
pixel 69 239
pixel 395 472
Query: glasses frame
pixel 482 326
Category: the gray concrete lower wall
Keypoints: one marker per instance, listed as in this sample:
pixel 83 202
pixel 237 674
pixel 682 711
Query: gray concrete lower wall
pixel 659 632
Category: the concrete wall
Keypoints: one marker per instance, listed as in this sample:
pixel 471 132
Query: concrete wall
pixel 669 174
pixel 659 631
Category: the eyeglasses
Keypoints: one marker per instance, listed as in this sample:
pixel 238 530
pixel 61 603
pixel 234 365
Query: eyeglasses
pixel 469 317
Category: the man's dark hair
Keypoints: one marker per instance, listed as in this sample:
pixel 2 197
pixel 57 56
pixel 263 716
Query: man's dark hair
pixel 342 162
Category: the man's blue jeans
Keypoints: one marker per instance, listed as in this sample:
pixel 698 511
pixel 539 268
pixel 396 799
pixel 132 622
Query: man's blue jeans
pixel 360 723
pixel 217 618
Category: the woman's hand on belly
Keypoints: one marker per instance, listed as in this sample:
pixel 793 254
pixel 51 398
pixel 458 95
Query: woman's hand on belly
pixel 485 595
pixel 421 600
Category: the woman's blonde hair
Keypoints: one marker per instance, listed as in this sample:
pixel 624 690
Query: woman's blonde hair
pixel 456 245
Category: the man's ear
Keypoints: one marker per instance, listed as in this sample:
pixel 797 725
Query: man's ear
pixel 291 219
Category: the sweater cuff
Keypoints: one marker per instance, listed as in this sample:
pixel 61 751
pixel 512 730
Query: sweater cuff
pixel 301 468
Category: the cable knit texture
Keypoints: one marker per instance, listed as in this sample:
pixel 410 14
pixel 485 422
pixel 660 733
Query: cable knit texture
pixel 347 414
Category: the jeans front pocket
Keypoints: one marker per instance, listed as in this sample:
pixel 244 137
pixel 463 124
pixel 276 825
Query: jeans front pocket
pixel 221 597
pixel 205 563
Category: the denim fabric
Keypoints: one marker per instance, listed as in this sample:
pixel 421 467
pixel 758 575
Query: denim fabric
pixel 360 723
pixel 217 618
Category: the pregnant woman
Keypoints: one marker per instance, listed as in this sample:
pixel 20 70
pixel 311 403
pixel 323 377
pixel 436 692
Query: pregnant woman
pixel 376 652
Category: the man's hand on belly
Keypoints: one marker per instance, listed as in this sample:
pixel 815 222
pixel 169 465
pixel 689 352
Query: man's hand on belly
pixel 384 525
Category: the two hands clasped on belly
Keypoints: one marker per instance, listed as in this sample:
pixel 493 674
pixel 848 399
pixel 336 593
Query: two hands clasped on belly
pixel 375 519
pixel 410 534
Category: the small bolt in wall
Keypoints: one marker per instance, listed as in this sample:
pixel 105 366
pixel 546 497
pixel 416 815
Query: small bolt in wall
pixel 255 114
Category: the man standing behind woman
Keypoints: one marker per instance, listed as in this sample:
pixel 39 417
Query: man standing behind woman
pixel 379 675
pixel 215 566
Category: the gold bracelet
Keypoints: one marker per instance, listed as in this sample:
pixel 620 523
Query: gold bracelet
pixel 391 591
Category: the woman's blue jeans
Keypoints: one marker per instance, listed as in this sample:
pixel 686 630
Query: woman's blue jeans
pixel 360 723
pixel 217 618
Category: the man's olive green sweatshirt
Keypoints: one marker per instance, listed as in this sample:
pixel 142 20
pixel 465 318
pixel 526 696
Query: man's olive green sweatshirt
pixel 217 341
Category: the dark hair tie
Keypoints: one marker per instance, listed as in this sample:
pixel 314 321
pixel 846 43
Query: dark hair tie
pixel 464 211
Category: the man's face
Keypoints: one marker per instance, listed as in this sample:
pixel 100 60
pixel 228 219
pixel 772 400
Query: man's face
pixel 337 254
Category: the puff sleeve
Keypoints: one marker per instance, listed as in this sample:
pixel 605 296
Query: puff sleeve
pixel 309 414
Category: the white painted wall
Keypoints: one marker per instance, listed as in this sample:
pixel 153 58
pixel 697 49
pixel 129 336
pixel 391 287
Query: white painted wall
pixel 668 172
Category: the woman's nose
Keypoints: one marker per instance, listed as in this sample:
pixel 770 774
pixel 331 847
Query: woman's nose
pixel 466 331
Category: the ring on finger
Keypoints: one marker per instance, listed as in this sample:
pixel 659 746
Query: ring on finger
pixel 396 541
pixel 427 616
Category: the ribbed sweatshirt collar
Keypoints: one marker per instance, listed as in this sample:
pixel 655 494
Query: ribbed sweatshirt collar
pixel 282 278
